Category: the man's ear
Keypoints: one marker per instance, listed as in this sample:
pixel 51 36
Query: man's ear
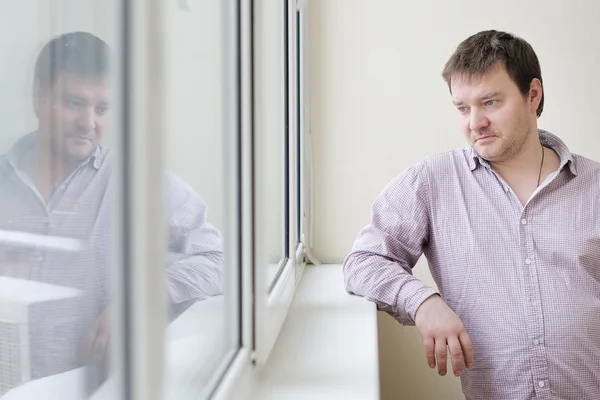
pixel 535 93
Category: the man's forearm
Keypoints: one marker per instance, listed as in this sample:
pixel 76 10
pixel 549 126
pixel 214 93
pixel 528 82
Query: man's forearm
pixel 195 278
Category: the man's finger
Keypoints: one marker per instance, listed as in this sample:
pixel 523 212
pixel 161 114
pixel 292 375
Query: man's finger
pixel 429 352
pixel 456 355
pixel 441 354
pixel 467 348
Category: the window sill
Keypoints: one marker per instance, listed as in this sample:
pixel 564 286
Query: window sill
pixel 186 375
pixel 327 348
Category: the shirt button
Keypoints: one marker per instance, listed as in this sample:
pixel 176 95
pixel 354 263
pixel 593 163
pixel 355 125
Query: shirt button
pixel 506 188
pixel 536 342
pixel 541 383
pixel 524 221
pixel 527 261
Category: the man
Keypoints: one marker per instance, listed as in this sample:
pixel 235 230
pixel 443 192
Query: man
pixel 511 231
pixel 54 182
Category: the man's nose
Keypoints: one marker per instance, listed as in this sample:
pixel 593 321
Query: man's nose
pixel 87 119
pixel 477 120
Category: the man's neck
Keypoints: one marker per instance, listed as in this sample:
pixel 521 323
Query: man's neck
pixel 529 169
pixel 46 168
pixel 526 161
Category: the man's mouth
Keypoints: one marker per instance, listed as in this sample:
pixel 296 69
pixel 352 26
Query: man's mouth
pixel 81 138
pixel 483 138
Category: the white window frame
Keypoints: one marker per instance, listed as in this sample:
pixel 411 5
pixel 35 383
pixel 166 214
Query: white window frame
pixel 264 312
pixel 240 380
pixel 138 274
pixel 271 307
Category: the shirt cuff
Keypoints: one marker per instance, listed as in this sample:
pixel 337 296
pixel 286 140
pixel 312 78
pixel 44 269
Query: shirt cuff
pixel 414 302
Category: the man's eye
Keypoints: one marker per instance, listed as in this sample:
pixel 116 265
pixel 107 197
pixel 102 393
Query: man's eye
pixel 73 103
pixel 490 102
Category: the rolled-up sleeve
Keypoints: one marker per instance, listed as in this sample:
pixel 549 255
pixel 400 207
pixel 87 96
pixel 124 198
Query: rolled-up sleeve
pixel 195 269
pixel 379 266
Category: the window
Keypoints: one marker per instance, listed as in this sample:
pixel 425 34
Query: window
pixel 202 159
pixel 65 262
pixel 153 205
pixel 120 191
pixel 271 139
pixel 277 177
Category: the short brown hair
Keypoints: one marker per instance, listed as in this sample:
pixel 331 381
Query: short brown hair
pixel 482 51
pixel 80 53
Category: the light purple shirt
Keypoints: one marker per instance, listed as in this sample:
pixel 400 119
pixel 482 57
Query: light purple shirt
pixel 525 281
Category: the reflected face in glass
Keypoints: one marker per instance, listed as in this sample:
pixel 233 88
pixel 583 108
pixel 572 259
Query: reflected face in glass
pixel 495 116
pixel 74 114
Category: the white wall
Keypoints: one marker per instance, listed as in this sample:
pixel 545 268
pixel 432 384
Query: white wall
pixel 379 104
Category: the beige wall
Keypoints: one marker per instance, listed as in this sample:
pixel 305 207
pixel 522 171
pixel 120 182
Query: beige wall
pixel 378 104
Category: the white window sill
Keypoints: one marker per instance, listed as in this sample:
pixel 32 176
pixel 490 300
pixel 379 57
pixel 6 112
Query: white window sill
pixel 191 356
pixel 327 348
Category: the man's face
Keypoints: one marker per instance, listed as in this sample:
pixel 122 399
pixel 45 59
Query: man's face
pixel 74 113
pixel 495 117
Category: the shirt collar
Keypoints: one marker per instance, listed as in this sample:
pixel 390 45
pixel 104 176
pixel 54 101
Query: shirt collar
pixel 547 139
pixel 24 144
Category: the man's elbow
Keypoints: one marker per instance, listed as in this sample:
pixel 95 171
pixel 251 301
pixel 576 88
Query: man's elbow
pixel 349 269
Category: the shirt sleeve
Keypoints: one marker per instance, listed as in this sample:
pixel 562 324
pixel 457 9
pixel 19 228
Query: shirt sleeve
pixel 379 266
pixel 195 268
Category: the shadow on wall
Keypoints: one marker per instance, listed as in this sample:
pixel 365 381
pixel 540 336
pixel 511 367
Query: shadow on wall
pixel 404 373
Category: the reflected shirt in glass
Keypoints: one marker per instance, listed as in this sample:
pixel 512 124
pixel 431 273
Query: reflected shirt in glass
pixel 78 211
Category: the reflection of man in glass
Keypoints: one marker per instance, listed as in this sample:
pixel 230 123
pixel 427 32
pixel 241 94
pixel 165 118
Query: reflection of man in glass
pixel 53 183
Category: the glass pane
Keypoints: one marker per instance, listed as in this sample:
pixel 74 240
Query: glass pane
pixel 58 95
pixel 202 185
pixel 271 124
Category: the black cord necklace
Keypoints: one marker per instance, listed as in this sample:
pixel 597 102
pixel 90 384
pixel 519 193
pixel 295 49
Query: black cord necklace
pixel 541 166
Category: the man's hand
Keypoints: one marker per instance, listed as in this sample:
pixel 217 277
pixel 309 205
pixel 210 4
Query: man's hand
pixel 98 337
pixel 440 329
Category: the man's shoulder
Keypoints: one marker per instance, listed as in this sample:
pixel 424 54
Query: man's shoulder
pixel 586 162
pixel 442 162
pixel 586 167
pixel 459 157
pixel 425 174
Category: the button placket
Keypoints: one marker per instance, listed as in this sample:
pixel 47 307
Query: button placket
pixel 535 318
